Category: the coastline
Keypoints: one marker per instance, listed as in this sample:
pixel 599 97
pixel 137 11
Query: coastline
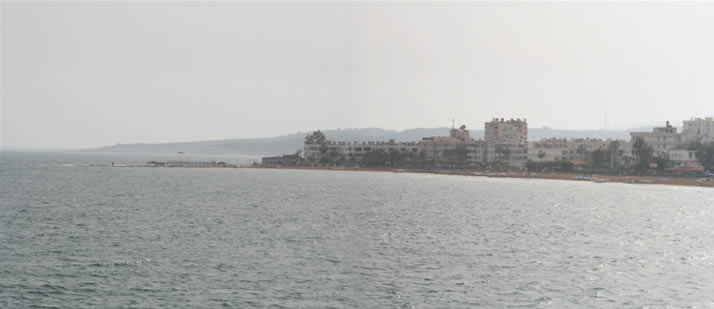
pixel 658 180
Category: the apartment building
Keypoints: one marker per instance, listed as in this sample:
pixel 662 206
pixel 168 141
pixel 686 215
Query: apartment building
pixel 507 141
pixel 698 129
pixel 662 139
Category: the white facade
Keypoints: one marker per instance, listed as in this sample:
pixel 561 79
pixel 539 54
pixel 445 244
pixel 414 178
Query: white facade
pixel 356 150
pixel 682 155
pixel 698 129
pixel 434 148
pixel 507 141
pixel 556 149
pixel 662 139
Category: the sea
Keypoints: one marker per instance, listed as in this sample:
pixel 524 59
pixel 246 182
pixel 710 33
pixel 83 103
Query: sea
pixel 77 236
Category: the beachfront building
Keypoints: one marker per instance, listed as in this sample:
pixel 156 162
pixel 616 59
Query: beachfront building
pixel 661 139
pixel 355 151
pixel 292 159
pixel 436 148
pixel 576 149
pixel 507 142
pixel 682 155
pixel 457 148
pixel 553 149
pixel 685 163
pixel 698 129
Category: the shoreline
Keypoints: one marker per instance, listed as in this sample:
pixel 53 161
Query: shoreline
pixel 657 180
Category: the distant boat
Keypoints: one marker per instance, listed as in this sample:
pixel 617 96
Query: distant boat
pixel 582 177
pixel 705 182
pixel 180 152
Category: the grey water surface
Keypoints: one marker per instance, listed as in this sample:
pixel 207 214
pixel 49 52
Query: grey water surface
pixel 102 237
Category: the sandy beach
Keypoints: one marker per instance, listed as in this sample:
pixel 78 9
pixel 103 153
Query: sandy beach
pixel 661 180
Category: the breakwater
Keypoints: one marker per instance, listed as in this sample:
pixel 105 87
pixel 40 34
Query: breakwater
pixel 185 164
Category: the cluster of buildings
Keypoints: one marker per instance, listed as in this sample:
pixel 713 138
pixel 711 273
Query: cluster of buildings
pixel 667 141
pixel 506 142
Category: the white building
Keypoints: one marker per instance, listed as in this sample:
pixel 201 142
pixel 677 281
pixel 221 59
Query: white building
pixel 662 139
pixel 682 155
pixel 698 129
pixel 578 149
pixel 434 148
pixel 355 151
pixel 507 141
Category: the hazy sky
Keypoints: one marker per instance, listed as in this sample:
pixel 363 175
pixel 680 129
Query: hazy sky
pixel 80 74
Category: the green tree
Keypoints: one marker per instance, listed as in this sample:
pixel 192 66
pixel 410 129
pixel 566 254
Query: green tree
pixel 541 155
pixel 599 158
pixel 317 137
pixel 614 146
pixel 457 157
pixel 395 158
pixel 298 157
pixel 662 160
pixel 705 155
pixel 377 158
pixel 323 150
pixel 642 154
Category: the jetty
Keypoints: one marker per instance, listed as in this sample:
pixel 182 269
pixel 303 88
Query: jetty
pixel 201 164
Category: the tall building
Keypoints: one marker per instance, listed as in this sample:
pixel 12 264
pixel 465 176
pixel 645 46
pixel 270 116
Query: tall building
pixel 662 139
pixel 507 141
pixel 698 129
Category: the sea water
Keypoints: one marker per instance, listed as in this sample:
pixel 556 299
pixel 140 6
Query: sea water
pixel 89 237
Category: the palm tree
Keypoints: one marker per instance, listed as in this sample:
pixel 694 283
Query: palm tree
pixel 614 145
pixel 541 155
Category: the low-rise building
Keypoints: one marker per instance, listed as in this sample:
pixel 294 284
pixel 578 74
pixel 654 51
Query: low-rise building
pixel 435 149
pixel 281 160
pixel 355 151
pixel 552 149
pixel 682 155
pixel 577 149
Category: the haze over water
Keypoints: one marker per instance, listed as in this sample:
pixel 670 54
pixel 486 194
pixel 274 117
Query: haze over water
pixel 80 237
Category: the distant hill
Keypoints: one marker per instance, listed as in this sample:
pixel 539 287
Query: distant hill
pixel 290 143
